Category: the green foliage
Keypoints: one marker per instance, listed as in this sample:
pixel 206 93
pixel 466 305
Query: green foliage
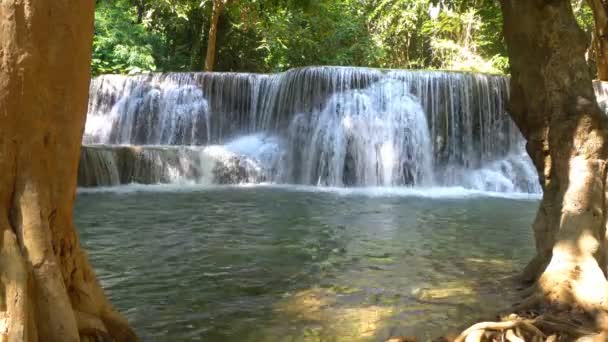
pixel 458 43
pixel 275 35
pixel 397 31
pixel 315 34
pixel 120 44
pixel 455 35
pixel 182 26
pixel 584 15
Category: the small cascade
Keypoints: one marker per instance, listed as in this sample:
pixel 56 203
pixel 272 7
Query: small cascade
pixel 601 93
pixel 98 167
pixel 170 109
pixel 514 173
pixel 110 165
pixel 330 126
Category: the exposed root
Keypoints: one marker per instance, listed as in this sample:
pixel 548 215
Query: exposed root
pixel 14 277
pixel 556 324
pixel 529 303
pixel 529 291
pixel 511 336
pixel 514 328
pixel 118 327
pixel 88 323
pixel 535 267
pixel 94 335
pixel 476 335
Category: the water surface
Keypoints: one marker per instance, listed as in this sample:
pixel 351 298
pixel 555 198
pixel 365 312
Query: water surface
pixel 270 263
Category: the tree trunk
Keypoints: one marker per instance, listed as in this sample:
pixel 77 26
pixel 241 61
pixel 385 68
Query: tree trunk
pixel 600 41
pixel 140 6
pixel 48 290
pixel 553 104
pixel 218 5
pixel 196 51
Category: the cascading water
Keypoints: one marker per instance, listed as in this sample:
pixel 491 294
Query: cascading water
pixel 374 136
pixel 332 126
pixel 111 165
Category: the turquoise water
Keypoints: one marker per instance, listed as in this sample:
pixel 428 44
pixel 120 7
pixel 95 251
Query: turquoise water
pixel 271 263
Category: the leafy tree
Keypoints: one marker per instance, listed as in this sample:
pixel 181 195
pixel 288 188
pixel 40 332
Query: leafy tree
pixel 275 35
pixel 293 34
pixel 121 44
pixel 396 27
pixel 218 7
pixel 456 35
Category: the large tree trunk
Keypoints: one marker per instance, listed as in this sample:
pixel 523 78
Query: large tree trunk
pixel 600 37
pixel 553 103
pixel 218 5
pixel 48 290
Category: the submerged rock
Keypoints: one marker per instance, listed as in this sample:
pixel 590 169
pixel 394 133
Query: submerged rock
pixel 447 291
pixel 231 168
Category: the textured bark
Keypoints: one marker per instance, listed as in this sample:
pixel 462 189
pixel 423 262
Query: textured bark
pixel 600 36
pixel 553 103
pixel 218 6
pixel 48 290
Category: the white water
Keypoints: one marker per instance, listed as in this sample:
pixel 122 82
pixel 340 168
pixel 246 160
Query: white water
pixel 369 192
pixel 375 136
pixel 103 165
pixel 326 126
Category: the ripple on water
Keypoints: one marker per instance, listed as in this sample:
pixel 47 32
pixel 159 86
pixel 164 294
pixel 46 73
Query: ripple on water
pixel 270 263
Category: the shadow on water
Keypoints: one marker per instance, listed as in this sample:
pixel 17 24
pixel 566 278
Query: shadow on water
pixel 259 264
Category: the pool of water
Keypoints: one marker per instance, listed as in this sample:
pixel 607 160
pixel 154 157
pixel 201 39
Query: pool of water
pixel 271 263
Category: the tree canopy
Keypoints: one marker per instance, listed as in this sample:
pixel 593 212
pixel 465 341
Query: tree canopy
pixel 275 35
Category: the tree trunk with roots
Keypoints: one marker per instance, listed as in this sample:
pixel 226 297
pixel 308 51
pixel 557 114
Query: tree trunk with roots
pixel 553 104
pixel 600 36
pixel 48 290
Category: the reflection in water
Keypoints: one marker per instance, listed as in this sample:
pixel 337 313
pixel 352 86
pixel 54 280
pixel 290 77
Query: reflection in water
pixel 270 264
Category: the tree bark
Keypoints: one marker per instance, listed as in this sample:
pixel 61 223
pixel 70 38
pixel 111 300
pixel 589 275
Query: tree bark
pixel 553 104
pixel 197 49
pixel 48 290
pixel 218 6
pixel 600 41
pixel 140 6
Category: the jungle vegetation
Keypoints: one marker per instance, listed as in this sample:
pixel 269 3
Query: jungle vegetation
pixel 275 35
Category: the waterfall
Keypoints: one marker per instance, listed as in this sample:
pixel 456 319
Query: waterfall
pixel 331 126
pixel 375 136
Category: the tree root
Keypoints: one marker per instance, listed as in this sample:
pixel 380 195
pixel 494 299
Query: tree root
pixel 529 303
pixel 514 328
pixel 556 324
pixel 528 291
